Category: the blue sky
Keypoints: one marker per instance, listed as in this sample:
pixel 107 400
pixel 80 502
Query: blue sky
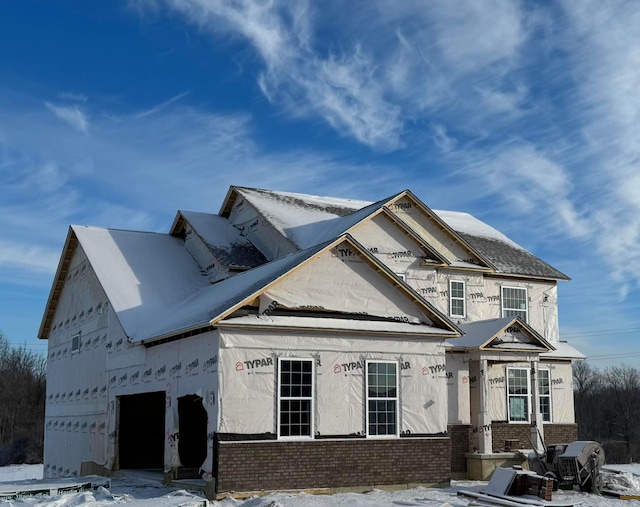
pixel 525 114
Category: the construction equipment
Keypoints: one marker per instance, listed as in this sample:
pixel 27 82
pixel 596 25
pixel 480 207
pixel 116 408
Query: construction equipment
pixel 578 463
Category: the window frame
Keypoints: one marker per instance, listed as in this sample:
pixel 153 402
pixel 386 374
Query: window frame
pixel 457 298
pixel 395 399
pixel 281 398
pixel 548 395
pixel 76 342
pixel 526 396
pixel 526 300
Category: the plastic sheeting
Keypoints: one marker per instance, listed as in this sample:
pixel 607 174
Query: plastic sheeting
pixel 81 423
pixel 349 285
pixel 562 410
pixel 458 388
pixel 483 298
pixel 248 390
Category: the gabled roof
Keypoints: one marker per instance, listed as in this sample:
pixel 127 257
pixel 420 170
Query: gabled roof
pixel 508 334
pixel 157 290
pixel 142 273
pixel 305 219
pixel 224 241
pixel 218 301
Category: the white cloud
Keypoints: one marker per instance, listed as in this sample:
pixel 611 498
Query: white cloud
pixel 72 115
pixel 29 256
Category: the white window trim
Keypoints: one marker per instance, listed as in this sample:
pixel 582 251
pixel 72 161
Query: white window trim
pixel 311 398
pixel 396 398
pixel 526 298
pixel 528 411
pixel 540 396
pixel 464 299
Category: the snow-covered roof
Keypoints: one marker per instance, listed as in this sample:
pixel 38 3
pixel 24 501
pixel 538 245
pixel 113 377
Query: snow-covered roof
pixel 157 290
pixel 563 351
pixel 225 241
pixel 306 219
pixel 143 274
pixel 347 325
pixel 488 334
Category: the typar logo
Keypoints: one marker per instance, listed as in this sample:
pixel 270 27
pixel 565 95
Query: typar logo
pixel 253 364
pixel 210 363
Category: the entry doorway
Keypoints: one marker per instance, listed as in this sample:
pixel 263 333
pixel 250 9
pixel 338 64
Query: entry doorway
pixel 141 431
pixel 192 424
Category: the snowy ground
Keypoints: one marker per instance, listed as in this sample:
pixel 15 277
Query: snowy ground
pixel 140 490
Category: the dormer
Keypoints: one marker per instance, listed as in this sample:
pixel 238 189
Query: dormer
pixel 217 246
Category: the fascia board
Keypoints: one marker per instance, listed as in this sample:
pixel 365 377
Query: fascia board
pixel 337 329
pixel 70 244
pixel 179 218
pixel 228 201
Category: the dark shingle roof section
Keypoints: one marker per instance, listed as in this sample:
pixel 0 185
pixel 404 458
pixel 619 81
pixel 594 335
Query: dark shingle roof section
pixel 512 260
pixel 225 242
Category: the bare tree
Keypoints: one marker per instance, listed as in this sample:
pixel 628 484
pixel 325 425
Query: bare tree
pixel 622 399
pixel 22 399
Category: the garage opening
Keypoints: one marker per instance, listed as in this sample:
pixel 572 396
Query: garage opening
pixel 192 424
pixel 141 431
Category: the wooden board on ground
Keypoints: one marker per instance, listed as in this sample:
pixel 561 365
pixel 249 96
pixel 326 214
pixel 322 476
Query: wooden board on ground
pixel 51 487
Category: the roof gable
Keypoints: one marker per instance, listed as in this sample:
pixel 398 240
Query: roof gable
pixel 508 334
pixel 465 241
pixel 435 231
pixel 257 287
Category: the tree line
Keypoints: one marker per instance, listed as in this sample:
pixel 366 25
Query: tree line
pixel 22 400
pixel 607 404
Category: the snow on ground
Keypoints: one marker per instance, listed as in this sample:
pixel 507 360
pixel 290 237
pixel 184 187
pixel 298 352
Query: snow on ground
pixel 138 490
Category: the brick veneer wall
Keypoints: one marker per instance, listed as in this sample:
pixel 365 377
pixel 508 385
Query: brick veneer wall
pixel 278 465
pixel 460 435
pixel 553 434
pixel 560 433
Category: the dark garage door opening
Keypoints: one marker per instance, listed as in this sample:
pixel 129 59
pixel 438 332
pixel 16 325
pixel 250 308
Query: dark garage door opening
pixel 192 423
pixel 141 431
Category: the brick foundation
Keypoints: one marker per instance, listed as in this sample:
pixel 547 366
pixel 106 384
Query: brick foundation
pixel 334 464
pixel 502 432
pixel 553 434
pixel 460 435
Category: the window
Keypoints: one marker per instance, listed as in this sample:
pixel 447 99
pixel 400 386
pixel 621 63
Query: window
pixel 518 394
pixel 456 298
pixel 514 302
pixel 382 398
pixel 544 392
pixel 75 343
pixel 295 394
